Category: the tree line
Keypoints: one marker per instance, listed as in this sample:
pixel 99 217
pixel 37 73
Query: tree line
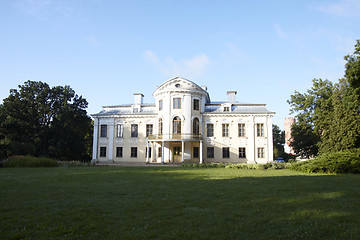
pixel 328 114
pixel 45 121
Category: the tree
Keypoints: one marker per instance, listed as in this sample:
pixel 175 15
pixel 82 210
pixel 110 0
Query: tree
pixel 278 141
pixel 328 115
pixel 42 121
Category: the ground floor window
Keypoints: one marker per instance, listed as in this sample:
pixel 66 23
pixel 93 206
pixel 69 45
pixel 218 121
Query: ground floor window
pixel 102 151
pixel 196 152
pixel 119 152
pixel 210 152
pixel 226 152
pixel 261 152
pixel 160 152
pixel 242 153
pixel 133 152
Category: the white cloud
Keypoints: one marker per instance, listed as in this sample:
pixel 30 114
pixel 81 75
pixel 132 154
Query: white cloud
pixel 170 67
pixel 93 41
pixel 279 32
pixel 341 8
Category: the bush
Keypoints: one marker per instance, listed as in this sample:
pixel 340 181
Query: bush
pixel 29 161
pixel 337 162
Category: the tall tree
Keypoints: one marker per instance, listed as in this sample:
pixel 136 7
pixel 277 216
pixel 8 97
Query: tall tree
pixel 44 121
pixel 328 115
pixel 278 141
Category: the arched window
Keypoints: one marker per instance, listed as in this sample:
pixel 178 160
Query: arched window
pixel 196 126
pixel 177 125
pixel 160 131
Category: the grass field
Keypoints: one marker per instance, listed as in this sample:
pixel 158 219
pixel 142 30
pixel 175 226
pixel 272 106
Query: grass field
pixel 176 203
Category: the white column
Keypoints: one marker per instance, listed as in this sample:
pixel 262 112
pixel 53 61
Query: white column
pixel 111 141
pixel 201 152
pixel 187 114
pixel 162 152
pixel 147 151
pixel 182 151
pixel 95 139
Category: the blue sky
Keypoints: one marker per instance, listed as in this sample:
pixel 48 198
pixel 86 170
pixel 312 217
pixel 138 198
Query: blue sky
pixel 108 50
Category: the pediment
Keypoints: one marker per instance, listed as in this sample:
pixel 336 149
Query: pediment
pixel 180 84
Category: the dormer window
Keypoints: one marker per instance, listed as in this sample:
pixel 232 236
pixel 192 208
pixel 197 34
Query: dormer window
pixel 226 109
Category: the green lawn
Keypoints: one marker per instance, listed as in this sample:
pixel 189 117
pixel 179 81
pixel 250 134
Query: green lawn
pixel 176 203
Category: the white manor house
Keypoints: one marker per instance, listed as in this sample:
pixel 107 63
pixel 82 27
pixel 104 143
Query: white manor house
pixel 183 125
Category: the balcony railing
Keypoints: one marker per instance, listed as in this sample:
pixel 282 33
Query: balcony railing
pixel 174 136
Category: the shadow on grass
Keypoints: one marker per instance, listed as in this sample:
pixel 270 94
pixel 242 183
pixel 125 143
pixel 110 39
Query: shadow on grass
pixel 177 203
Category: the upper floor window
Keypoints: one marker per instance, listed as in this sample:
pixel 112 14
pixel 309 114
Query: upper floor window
pixel 149 129
pixel 177 103
pixel 103 131
pixel 134 130
pixel 241 129
pixel 119 130
pixel 210 130
pixel 260 129
pixel 196 104
pixel 160 105
pixel 177 125
pixel 160 130
pixel 225 130
pixel 226 109
pixel 196 126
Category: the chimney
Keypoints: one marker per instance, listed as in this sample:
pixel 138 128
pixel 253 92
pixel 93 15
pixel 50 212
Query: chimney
pixel 232 96
pixel 205 88
pixel 138 98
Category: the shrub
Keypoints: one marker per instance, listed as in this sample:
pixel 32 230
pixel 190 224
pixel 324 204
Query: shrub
pixel 337 162
pixel 29 161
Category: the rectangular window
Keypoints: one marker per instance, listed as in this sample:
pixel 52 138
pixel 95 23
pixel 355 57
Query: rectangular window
pixel 103 130
pixel 196 152
pixel 119 130
pixel 177 103
pixel 133 152
pixel 149 129
pixel 242 153
pixel 196 104
pixel 226 109
pixel 210 130
pixel 149 152
pixel 134 130
pixel 119 152
pixel 225 130
pixel 160 105
pixel 102 151
pixel 261 152
pixel 210 152
pixel 226 152
pixel 260 129
pixel 241 130
pixel 160 152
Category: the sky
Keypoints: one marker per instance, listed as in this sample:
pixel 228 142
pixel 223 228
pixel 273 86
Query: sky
pixel 107 50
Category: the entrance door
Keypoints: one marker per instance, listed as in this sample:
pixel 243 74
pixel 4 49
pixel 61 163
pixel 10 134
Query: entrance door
pixel 177 154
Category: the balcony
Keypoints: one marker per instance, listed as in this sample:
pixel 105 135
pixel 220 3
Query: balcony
pixel 182 136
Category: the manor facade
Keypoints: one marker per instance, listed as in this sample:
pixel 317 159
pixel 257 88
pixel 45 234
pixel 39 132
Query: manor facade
pixel 183 125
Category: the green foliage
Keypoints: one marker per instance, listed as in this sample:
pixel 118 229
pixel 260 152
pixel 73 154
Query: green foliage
pixel 278 141
pixel 249 166
pixel 332 162
pixel 328 115
pixel 29 161
pixel 42 121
